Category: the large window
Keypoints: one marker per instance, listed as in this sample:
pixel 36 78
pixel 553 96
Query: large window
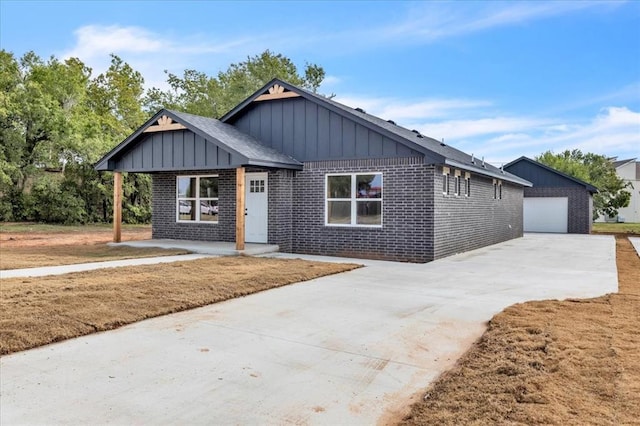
pixel 354 199
pixel 197 199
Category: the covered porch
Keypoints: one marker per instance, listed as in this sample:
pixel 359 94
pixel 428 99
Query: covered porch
pixel 173 144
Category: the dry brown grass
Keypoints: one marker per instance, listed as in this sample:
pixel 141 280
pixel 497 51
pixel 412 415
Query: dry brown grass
pixel 37 311
pixel 49 255
pixel 28 245
pixel 549 362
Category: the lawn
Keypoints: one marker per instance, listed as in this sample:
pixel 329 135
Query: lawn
pixel 25 245
pixel 616 228
pixel 549 362
pixel 37 311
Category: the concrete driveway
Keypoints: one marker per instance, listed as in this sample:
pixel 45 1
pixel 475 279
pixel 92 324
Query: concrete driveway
pixel 345 349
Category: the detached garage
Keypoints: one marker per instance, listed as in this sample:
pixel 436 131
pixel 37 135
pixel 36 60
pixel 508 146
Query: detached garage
pixel 556 202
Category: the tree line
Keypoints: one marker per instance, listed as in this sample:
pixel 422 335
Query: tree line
pixel 57 120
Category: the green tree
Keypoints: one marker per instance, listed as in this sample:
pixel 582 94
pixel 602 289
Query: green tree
pixel 197 93
pixel 597 170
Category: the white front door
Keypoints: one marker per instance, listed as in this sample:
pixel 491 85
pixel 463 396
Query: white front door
pixel 257 207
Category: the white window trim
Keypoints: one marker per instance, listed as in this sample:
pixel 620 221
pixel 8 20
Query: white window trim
pixel 446 183
pixel 353 200
pixel 467 184
pixel 497 189
pixel 197 199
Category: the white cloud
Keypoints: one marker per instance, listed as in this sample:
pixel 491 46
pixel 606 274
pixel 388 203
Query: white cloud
pixel 431 21
pixel 151 53
pixel 472 126
pixel 405 111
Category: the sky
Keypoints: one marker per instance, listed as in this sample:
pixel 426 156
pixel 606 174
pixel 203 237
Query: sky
pixel 496 79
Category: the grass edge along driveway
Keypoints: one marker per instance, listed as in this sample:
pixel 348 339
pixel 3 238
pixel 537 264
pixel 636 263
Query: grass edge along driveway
pixel 38 311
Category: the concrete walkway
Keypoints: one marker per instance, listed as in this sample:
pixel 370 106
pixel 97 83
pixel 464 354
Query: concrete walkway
pixel 636 244
pixel 80 267
pixel 349 349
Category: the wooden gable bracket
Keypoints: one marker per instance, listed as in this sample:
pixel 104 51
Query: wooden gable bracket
pixel 276 92
pixel 164 123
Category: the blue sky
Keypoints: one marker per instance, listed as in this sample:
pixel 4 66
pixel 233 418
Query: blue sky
pixel 496 79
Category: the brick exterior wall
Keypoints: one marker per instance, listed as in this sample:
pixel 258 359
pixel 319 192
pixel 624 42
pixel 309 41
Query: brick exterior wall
pixel 467 223
pixel 580 206
pixel 407 211
pixel 420 224
pixel 164 224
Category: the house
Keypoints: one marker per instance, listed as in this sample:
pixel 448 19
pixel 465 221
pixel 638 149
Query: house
pixel 293 168
pixel 629 170
pixel 556 202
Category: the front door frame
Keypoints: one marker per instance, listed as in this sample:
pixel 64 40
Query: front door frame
pixel 258 176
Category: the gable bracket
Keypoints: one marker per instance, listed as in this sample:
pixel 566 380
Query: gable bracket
pixel 164 124
pixel 276 92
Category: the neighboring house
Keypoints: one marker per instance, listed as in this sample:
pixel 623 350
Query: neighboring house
pixel 318 177
pixel 556 202
pixel 629 170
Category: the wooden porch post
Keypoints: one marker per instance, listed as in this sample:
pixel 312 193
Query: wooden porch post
pixel 240 208
pixel 117 206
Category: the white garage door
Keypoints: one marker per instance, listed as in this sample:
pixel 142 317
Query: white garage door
pixel 546 214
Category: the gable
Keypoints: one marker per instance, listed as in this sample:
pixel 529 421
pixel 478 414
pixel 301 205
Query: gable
pixel 174 150
pixel 308 131
pixel 544 176
pixel 173 141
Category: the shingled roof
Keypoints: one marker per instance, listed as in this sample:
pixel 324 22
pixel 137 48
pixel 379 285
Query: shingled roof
pixel 436 152
pixel 244 148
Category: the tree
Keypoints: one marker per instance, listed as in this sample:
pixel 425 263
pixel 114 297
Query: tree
pixel 597 170
pixel 197 93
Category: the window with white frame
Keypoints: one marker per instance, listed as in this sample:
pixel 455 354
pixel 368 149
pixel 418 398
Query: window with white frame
pixel 354 199
pixel 497 189
pixel 457 183
pixel 446 184
pixel 197 199
pixel 467 184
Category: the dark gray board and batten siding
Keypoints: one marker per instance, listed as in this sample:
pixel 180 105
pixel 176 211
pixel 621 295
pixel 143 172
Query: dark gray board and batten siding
pixel 176 150
pixel 307 131
pixel 541 177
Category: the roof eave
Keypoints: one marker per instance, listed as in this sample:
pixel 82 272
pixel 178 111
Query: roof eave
pixel 482 171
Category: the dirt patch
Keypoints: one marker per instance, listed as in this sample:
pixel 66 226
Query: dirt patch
pixel 549 362
pixel 25 245
pixel 14 235
pixel 37 311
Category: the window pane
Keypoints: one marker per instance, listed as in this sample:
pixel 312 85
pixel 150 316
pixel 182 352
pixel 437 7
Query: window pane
pixel 209 187
pixel 369 186
pixel 209 210
pixel 186 187
pixel 339 186
pixel 339 212
pixel 369 213
pixel 186 210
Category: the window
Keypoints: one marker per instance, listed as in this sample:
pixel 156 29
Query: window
pixel 446 188
pixel 497 189
pixel 256 185
pixel 467 184
pixel 354 199
pixel 457 184
pixel 197 199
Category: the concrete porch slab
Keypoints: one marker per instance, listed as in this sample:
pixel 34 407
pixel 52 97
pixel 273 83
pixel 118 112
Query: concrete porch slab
pixel 217 248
